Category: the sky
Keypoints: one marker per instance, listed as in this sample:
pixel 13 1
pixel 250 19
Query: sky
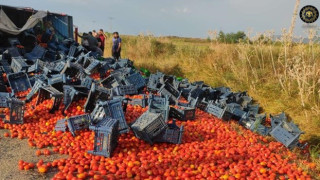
pixel 187 18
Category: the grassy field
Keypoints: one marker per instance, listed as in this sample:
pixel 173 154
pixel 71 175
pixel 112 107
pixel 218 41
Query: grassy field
pixel 279 76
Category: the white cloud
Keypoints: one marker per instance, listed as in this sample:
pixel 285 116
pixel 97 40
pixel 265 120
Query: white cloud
pixel 183 10
pixel 163 10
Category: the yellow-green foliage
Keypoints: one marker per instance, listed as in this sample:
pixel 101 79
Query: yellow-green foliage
pixel 280 76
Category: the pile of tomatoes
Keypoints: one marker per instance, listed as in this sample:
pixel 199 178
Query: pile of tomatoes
pixel 211 149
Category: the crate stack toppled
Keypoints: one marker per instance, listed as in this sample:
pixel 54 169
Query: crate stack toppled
pixel 69 75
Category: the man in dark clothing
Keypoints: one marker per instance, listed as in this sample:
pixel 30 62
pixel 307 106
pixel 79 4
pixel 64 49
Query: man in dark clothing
pixel 116 47
pixel 91 43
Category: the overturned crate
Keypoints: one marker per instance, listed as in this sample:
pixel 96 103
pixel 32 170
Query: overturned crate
pixel 172 134
pixel 14 111
pixel 255 124
pixel 219 112
pixel 96 93
pixel 19 65
pixel 79 122
pixel 168 90
pixel 154 81
pixel 158 104
pixel 18 82
pixel 112 108
pixel 287 133
pixel 137 80
pixel 148 126
pixel 124 90
pixel 277 119
pixel 143 101
pixel 105 137
pixel 49 92
pixel 182 113
pixel 35 88
pixel 72 92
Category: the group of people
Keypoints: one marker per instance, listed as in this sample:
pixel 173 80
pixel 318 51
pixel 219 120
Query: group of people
pixel 95 42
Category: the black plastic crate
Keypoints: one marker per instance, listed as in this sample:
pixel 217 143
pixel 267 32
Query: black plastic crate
pixel 219 112
pixel 87 82
pixel 287 133
pixel 202 105
pixel 192 103
pixel 137 80
pixel 35 77
pixel 96 93
pixel 148 126
pixel 105 137
pixel 37 52
pixel 94 66
pixel 182 113
pixel 277 119
pixel 71 92
pixel 16 113
pixel 109 82
pixel 158 104
pixel 18 65
pixel 79 122
pixel 172 134
pixel 154 81
pixel 255 124
pixel 35 88
pixel 168 90
pixel 4 99
pixel 124 90
pixel 112 108
pixel 18 82
pixel 72 51
pixel 143 102
pixel 73 70
pixel 236 111
pixel 244 101
pixel 49 92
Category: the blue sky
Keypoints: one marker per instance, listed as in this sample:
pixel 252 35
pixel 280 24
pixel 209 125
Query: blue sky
pixel 188 18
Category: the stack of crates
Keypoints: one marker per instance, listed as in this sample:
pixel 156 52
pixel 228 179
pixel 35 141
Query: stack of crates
pixel 48 92
pixel 18 82
pixel 79 122
pixel 148 126
pixel 182 113
pixel 105 137
pixel 172 134
pixel 158 104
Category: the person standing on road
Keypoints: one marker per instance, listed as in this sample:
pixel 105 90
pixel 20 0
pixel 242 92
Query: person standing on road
pixel 116 46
